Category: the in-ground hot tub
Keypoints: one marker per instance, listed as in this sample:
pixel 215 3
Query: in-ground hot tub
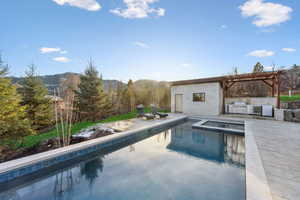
pixel 235 127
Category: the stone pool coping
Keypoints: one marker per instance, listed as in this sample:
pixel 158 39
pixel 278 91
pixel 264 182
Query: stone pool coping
pixel 24 166
pixel 257 187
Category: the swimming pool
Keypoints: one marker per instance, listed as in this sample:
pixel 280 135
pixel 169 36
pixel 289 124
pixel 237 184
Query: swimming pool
pixel 178 163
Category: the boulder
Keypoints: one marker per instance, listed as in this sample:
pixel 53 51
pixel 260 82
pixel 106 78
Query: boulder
pixel 288 115
pixel 92 133
pixel 296 114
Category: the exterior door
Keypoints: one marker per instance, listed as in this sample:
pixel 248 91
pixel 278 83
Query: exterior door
pixel 179 103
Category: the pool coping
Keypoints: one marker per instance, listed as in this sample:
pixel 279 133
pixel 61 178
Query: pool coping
pixel 257 186
pixel 30 164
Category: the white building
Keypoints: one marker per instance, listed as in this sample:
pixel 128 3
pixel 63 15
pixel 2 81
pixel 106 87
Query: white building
pixel 197 97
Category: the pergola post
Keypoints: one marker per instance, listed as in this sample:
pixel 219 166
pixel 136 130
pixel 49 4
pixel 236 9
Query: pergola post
pixel 224 95
pixel 278 90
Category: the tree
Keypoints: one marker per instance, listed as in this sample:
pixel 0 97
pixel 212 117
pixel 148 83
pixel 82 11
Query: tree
pixel 128 98
pixel 292 78
pixel 235 71
pixel 13 122
pixel 34 96
pixel 118 99
pixel 69 85
pixel 131 95
pixel 258 67
pixel 93 103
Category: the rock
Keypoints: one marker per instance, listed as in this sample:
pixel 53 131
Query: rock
pixel 288 115
pixel 297 114
pixel 93 132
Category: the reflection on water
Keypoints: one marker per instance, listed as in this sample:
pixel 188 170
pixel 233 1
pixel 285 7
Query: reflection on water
pixel 180 163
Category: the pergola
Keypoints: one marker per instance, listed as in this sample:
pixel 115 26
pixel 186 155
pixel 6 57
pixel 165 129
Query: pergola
pixel 271 79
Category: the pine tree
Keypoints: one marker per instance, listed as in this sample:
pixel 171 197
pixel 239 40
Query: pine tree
pixel 13 122
pixel 93 102
pixel 119 93
pixel 258 67
pixel 39 107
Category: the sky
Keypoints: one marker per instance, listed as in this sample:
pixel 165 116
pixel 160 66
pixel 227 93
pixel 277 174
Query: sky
pixel 149 39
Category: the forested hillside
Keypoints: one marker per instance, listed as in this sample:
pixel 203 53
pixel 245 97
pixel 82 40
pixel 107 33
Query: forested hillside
pixel 53 81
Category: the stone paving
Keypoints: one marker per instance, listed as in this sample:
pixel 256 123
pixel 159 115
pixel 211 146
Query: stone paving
pixel 279 148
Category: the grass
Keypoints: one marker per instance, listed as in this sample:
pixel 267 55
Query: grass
pixel 286 98
pixel 33 140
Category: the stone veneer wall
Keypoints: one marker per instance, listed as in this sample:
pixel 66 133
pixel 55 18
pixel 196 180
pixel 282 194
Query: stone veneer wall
pixel 290 105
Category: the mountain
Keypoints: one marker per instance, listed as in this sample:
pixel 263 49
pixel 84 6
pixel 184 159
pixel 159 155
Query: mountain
pixel 53 81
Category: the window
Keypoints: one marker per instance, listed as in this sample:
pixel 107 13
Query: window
pixel 199 97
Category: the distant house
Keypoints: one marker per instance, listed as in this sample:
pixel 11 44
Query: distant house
pixel 209 96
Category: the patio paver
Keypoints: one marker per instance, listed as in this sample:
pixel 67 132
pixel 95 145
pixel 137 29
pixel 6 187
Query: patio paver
pixel 279 148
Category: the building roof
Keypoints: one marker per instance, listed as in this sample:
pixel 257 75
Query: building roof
pixel 239 77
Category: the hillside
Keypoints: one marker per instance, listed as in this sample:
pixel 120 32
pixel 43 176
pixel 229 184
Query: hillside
pixel 52 81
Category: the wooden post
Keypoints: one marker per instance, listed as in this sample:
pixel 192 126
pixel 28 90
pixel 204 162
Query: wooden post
pixel 224 96
pixel 278 90
pixel 273 87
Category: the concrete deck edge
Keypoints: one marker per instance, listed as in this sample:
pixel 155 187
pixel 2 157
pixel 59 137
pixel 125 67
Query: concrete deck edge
pixel 257 187
pixel 11 166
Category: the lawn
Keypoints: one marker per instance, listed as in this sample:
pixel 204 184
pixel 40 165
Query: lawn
pixel 32 140
pixel 292 98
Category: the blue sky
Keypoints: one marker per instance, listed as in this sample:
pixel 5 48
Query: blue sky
pixel 149 39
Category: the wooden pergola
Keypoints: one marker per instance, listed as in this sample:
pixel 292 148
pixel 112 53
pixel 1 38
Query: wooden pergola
pixel 271 79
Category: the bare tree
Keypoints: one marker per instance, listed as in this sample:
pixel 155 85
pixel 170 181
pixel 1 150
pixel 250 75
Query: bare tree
pixel 64 117
pixel 292 79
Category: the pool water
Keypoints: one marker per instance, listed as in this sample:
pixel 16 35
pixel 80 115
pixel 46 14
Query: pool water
pixel 178 164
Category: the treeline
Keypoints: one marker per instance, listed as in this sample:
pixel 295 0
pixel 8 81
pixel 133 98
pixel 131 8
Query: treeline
pixel 28 108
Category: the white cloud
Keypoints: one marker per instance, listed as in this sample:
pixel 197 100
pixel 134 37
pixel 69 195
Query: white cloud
pixel 49 50
pixel 138 9
pixel 224 26
pixel 288 49
pixel 261 53
pixel 63 52
pixel 61 59
pixel 269 68
pixel 265 13
pixel 141 44
pixel 90 5
pixel 186 65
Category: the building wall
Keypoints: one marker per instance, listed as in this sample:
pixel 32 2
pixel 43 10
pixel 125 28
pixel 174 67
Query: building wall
pixel 213 98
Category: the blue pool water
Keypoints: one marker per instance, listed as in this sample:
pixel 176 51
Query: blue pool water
pixel 180 163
